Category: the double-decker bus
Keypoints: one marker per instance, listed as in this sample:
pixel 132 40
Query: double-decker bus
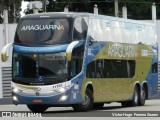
pixel 82 60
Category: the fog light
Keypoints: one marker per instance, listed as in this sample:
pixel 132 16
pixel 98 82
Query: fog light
pixel 15 98
pixel 63 98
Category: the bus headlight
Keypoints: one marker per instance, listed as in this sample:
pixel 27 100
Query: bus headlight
pixel 15 90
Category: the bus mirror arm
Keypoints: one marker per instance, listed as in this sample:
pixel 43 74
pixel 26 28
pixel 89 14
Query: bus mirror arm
pixel 70 49
pixel 4 56
pixel 91 42
pixel 69 56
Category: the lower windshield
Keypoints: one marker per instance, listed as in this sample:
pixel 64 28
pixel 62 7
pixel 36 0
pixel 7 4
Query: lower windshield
pixel 39 69
pixel 42 32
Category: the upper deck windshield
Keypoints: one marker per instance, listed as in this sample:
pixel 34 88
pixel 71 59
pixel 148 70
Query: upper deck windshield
pixel 43 32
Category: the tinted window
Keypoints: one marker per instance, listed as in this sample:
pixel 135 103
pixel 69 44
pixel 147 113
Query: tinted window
pixel 80 28
pixel 43 32
pixel 39 69
pixel 154 68
pixel 111 69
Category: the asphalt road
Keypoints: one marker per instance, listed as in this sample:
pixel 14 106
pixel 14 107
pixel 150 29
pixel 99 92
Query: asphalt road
pixel 147 112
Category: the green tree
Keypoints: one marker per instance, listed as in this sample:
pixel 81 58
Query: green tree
pixel 13 7
pixel 136 9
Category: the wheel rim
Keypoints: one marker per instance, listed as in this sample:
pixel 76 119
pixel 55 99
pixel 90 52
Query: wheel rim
pixel 136 97
pixel 143 95
pixel 86 100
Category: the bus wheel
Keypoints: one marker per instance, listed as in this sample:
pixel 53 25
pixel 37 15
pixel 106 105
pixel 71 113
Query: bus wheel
pixel 97 106
pixel 142 97
pixel 135 100
pixel 37 108
pixel 87 103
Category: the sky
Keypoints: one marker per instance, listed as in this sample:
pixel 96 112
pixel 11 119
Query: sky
pixel 24 6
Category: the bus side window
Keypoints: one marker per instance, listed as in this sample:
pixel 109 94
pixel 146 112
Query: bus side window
pixel 104 68
pixel 154 68
pixel 94 69
pixel 77 33
pixel 76 66
pixel 99 66
pixel 131 68
pixel 80 29
pixel 84 27
pixel 91 70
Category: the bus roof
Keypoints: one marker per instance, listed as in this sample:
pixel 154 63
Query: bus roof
pixel 56 15
pixel 81 14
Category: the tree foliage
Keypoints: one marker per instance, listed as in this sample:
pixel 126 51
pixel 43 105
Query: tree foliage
pixel 137 9
pixel 13 7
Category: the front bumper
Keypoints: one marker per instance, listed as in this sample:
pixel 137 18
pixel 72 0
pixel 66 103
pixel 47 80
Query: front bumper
pixel 54 99
pixel 72 97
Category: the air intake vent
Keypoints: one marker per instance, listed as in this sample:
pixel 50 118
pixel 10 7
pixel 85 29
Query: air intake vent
pixel 6 81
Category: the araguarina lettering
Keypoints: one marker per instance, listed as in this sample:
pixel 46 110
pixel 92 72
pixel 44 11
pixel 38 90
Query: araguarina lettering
pixel 42 27
pixel 118 50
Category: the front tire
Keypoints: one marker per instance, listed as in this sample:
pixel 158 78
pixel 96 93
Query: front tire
pixel 37 108
pixel 87 103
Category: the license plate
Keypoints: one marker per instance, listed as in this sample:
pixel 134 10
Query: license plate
pixel 37 100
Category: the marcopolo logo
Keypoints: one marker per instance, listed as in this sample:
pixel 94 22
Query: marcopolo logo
pixel 42 27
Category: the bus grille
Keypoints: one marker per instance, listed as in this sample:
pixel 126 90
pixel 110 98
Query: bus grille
pixel 6 81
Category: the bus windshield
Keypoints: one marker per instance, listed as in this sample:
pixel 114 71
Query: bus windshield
pixel 39 69
pixel 42 32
